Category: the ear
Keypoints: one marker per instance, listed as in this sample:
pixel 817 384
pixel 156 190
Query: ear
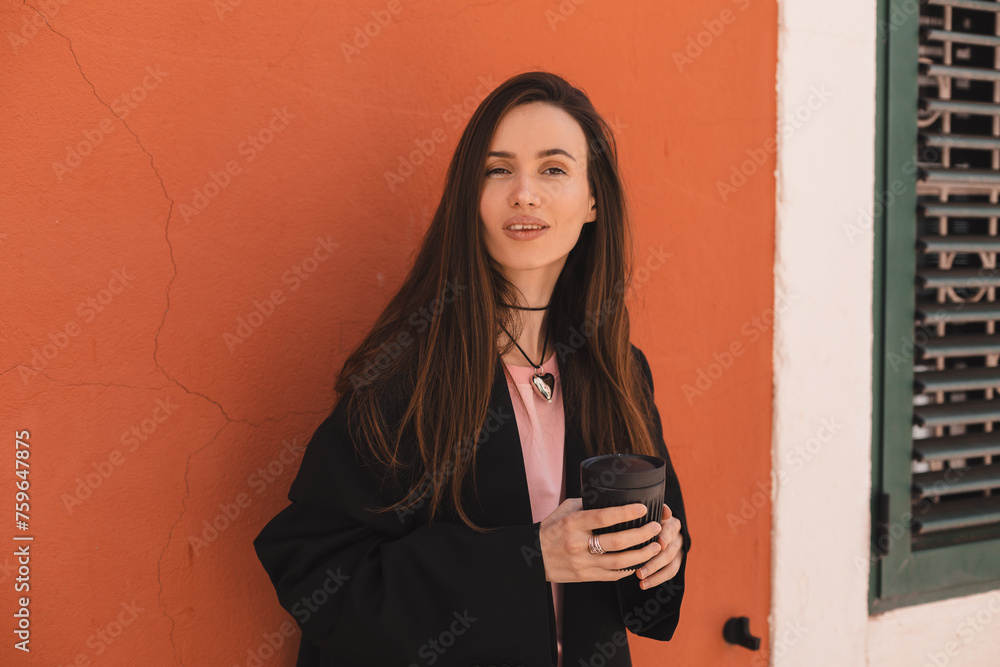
pixel 592 214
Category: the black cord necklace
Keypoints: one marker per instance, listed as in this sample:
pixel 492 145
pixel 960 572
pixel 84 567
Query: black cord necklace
pixel 523 308
pixel 544 383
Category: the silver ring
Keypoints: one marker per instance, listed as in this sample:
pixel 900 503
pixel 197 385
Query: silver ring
pixel 595 545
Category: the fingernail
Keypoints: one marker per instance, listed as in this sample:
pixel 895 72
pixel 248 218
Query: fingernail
pixel 642 573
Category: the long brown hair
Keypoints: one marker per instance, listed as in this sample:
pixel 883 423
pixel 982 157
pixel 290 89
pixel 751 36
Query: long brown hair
pixel 435 346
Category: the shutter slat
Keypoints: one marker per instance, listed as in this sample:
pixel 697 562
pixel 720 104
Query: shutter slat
pixel 937 278
pixel 966 445
pixel 956 177
pixel 958 514
pixel 932 312
pixel 962 37
pixel 959 243
pixel 976 73
pixel 960 106
pixel 963 379
pixel 956 480
pixel 957 209
pixel 979 5
pixel 962 412
pixel 960 345
pixel 959 141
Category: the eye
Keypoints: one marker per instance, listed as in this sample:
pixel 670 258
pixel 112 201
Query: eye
pixel 494 170
pixel 559 169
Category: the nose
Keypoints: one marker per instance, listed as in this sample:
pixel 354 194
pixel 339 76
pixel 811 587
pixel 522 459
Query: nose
pixel 524 191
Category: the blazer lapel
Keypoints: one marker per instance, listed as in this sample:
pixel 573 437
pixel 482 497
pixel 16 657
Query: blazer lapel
pixel 500 475
pixel 502 485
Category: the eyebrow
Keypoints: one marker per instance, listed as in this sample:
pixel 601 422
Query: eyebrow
pixel 544 153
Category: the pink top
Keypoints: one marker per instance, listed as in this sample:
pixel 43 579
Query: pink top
pixel 541 427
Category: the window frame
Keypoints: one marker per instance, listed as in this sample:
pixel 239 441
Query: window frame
pixel 902 577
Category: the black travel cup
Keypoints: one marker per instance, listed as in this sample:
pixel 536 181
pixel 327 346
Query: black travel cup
pixel 611 480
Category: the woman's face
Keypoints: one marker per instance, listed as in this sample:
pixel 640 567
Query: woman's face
pixel 536 173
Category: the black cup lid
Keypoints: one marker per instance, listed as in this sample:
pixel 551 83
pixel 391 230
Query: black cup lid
pixel 622 471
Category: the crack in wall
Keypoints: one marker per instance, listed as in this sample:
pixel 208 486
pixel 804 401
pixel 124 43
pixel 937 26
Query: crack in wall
pixel 290 413
pixel 96 384
pixel 166 231
pixel 170 535
pixel 162 369
pixel 180 515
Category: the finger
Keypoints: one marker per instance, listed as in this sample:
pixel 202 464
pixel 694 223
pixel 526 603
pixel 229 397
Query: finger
pixel 612 567
pixel 664 574
pixel 657 562
pixel 671 529
pixel 666 512
pixel 630 558
pixel 668 551
pixel 625 539
pixel 606 574
pixel 611 516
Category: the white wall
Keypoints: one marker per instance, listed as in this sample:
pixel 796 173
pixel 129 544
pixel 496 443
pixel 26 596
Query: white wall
pixel 822 365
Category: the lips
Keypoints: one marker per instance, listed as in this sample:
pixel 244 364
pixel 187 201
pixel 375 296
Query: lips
pixel 530 222
pixel 525 234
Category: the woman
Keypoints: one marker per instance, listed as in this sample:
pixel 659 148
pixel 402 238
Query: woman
pixel 436 520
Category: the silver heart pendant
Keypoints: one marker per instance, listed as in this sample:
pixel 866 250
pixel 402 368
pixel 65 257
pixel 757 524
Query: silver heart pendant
pixel 544 384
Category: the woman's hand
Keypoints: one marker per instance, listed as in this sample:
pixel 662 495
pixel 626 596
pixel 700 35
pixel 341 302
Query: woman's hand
pixel 664 565
pixel 565 538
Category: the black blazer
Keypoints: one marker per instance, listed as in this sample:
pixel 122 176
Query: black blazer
pixel 386 589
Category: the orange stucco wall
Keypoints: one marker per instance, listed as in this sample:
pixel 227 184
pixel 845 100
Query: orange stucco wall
pixel 197 224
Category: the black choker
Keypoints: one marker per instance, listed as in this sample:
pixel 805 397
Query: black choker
pixel 523 308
